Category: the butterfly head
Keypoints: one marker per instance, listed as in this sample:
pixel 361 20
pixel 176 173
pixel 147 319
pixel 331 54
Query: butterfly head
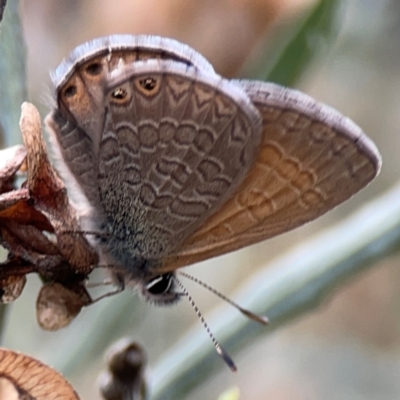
pixel 161 290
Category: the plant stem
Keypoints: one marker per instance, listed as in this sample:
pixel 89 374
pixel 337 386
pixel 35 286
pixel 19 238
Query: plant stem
pixel 289 287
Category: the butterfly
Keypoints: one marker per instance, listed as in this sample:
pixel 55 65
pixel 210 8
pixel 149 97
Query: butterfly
pixel 170 164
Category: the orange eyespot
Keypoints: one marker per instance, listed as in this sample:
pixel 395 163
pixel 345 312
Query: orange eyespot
pixel 70 91
pixel 94 69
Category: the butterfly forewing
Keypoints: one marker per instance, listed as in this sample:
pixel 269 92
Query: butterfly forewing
pixel 76 124
pixel 175 146
pixel 132 48
pixel 311 159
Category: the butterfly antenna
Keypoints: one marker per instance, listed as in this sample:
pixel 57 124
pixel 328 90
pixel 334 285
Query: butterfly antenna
pixel 223 354
pixel 258 318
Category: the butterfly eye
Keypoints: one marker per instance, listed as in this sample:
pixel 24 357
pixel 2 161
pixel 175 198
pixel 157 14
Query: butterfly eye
pixel 94 69
pixel 160 284
pixel 70 91
pixel 148 84
pixel 160 290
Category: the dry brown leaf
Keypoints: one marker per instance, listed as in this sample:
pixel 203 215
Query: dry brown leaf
pixel 15 206
pixel 50 195
pixel 57 305
pixel 31 379
pixel 11 288
pixel 26 214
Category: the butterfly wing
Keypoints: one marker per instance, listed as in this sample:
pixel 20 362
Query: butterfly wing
pixel 311 159
pixel 76 123
pixel 176 143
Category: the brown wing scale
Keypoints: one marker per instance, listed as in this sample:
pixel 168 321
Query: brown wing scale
pixel 311 159
pixel 77 121
pixel 176 144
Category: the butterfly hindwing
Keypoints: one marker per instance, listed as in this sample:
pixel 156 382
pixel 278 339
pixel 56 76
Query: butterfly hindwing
pixel 311 159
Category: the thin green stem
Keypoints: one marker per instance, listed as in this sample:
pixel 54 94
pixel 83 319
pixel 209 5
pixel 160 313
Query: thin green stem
pixel 12 84
pixel 12 74
pixel 284 290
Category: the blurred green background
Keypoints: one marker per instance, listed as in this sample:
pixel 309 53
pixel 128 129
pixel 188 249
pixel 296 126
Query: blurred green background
pixel 346 54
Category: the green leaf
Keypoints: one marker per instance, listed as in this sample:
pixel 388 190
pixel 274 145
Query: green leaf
pixel 291 53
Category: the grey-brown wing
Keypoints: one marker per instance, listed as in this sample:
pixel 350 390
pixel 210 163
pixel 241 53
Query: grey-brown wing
pixel 311 159
pixel 130 48
pixel 176 144
pixel 76 123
